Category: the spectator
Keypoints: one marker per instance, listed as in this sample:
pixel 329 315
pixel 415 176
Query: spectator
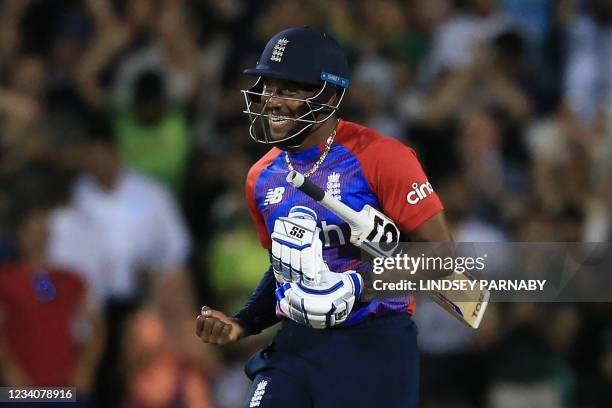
pixel 51 330
pixel 143 236
pixel 588 83
pixel 456 44
pixel 492 79
pixel 529 365
pixel 233 279
pixel 75 244
pixel 134 214
pixel 21 103
pixel 153 88
pixel 448 346
pixel 157 376
pixel 153 134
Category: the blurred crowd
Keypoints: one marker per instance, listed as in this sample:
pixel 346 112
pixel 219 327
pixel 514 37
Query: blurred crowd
pixel 124 150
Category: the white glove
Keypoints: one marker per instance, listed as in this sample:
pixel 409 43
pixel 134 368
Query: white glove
pixel 297 249
pixel 308 292
pixel 327 305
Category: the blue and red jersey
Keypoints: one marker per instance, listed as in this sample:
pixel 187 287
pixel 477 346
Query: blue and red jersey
pixel 362 167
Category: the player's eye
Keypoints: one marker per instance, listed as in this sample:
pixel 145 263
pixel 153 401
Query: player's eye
pixel 288 91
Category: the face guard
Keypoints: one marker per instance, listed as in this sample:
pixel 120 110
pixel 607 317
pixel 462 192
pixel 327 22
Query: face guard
pixel 314 110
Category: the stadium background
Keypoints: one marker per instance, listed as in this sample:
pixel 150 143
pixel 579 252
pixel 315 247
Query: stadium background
pixel 508 104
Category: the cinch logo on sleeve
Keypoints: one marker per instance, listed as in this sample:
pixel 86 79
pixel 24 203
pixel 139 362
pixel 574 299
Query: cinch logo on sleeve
pixel 274 195
pixel 419 192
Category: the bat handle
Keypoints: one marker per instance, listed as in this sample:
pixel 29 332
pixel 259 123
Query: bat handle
pixel 300 182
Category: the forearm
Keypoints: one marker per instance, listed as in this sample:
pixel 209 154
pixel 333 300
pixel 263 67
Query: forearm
pixel 510 95
pixel 108 44
pixel 179 43
pixel 259 312
pixel 448 98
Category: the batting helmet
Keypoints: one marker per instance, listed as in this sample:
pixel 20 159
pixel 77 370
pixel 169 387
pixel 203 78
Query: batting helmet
pixel 305 56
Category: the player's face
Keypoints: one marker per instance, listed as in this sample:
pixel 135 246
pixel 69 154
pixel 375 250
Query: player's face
pixel 281 110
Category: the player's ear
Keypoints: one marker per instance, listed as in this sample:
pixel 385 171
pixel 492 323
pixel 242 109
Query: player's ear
pixel 330 95
pixel 333 100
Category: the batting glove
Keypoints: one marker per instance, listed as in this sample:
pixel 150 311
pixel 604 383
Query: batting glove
pixel 297 249
pixel 326 305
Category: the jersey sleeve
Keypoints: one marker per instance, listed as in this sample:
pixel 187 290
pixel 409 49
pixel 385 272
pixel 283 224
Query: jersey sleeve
pixel 400 184
pixel 259 312
pixel 260 225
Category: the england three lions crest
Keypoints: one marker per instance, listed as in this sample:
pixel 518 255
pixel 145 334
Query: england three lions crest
pixel 279 49
pixel 333 185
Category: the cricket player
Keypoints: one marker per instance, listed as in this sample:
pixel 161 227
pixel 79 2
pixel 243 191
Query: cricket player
pixel 335 348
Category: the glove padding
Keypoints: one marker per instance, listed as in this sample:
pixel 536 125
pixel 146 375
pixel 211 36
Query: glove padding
pixel 308 292
pixel 297 249
pixel 326 305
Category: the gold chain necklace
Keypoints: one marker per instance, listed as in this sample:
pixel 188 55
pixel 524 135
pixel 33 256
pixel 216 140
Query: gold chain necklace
pixel 315 167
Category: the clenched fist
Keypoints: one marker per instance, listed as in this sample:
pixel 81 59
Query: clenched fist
pixel 216 327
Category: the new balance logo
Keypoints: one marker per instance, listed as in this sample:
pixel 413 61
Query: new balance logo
pixel 274 195
pixel 279 49
pixel 258 394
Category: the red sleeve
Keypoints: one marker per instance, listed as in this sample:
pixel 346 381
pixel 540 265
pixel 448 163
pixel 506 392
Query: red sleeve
pixel 251 183
pixel 399 182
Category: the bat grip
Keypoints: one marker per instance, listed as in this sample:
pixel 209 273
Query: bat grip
pixel 300 182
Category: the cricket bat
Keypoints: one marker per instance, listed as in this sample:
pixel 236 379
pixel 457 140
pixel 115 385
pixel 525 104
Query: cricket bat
pixel 378 235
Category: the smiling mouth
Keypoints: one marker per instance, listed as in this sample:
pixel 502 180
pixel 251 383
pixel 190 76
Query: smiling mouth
pixel 277 122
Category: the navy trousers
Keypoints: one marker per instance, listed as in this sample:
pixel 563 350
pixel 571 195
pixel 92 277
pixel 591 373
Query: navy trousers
pixel 373 364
